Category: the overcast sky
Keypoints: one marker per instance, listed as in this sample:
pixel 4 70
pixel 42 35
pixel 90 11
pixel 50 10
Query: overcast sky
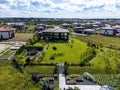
pixel 60 8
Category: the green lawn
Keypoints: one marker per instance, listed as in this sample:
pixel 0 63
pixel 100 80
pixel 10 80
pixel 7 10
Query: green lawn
pixel 99 39
pixel 42 70
pixel 7 54
pixel 65 52
pixel 12 79
pixel 112 57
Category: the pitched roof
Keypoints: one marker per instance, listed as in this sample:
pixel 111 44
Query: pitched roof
pixel 6 29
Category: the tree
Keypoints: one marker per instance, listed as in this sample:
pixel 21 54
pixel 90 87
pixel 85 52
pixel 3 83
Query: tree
pixel 54 48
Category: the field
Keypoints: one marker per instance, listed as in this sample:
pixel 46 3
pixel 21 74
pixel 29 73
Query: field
pixel 65 52
pixel 106 62
pixel 99 39
pixel 110 59
pixel 21 37
pixel 3 47
pixel 12 79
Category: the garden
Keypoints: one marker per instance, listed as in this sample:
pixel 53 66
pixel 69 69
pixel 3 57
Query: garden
pixel 69 52
pixel 39 60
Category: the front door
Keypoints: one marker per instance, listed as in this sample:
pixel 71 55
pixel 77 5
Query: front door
pixel 1 37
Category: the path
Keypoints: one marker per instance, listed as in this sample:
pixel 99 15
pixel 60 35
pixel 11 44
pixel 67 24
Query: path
pixel 63 85
pixel 106 50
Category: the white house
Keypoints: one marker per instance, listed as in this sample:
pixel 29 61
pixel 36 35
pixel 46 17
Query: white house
pixel 7 33
pixel 117 27
pixel 107 31
pixel 89 31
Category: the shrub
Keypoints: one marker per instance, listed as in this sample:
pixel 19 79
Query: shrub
pixel 52 58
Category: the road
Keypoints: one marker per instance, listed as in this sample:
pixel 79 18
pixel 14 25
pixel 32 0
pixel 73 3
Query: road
pixel 63 85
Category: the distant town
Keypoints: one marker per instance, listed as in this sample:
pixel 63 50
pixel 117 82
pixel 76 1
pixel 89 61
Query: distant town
pixel 59 54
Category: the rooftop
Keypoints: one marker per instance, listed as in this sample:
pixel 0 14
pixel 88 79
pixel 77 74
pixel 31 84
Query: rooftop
pixel 108 28
pixel 58 30
pixel 4 29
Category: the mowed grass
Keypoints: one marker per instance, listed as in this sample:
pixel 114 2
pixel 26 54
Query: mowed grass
pixel 21 37
pixel 99 39
pixel 12 79
pixel 65 52
pixel 41 70
pixel 7 54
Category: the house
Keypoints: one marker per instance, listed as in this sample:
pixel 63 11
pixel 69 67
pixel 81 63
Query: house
pixel 108 31
pixel 89 31
pixel 7 33
pixel 55 34
pixel 117 28
pixel 40 27
pixel 78 29
pixel 75 25
pixel 18 26
pixel 66 25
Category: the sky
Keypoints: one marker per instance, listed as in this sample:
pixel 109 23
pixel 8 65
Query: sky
pixel 60 8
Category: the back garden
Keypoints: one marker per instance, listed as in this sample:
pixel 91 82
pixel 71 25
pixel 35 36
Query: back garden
pixel 38 61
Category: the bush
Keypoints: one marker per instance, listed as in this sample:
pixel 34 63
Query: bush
pixel 52 58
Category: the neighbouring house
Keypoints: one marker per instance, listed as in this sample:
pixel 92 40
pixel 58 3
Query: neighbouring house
pixel 7 33
pixel 89 31
pixel 40 27
pixel 18 25
pixel 66 25
pixel 108 31
pixel 55 34
pixel 117 28
pixel 75 25
pixel 78 29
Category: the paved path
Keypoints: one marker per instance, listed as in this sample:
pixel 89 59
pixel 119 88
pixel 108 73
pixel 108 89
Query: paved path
pixel 63 86
pixel 13 42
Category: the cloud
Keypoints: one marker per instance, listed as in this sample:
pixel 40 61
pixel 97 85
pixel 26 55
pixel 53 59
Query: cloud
pixel 60 8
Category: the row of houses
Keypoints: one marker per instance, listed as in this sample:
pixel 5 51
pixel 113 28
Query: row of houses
pixel 88 25
pixel 18 25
